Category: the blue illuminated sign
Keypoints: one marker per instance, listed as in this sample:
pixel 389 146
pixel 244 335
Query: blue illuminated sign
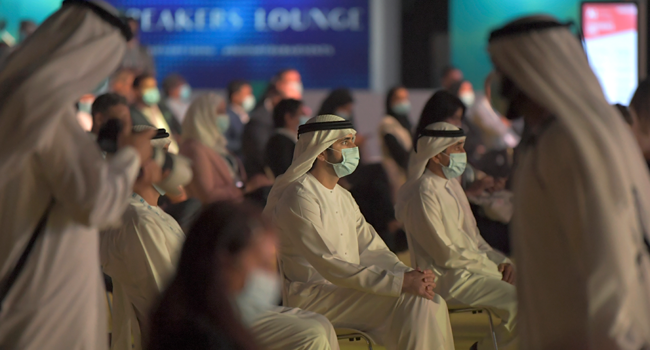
pixel 213 42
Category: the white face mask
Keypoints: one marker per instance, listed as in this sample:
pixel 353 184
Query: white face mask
pixel 261 293
pixel 467 98
pixel 249 103
pixel 296 86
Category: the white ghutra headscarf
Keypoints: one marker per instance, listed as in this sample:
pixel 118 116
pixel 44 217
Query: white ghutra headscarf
pixel 69 55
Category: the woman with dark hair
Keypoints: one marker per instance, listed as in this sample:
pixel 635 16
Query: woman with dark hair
pixel 443 106
pixel 395 137
pixel 226 288
pixel 340 103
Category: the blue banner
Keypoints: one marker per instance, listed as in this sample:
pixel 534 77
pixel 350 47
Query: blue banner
pixel 213 42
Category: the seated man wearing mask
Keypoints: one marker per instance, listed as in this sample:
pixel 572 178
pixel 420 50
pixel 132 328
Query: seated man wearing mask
pixel 334 263
pixel 443 235
pixel 147 109
pixel 141 256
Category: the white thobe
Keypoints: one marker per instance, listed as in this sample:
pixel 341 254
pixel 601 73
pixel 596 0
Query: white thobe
pixel 284 328
pixel 141 258
pixel 58 302
pixel 553 250
pixel 335 264
pixel 443 237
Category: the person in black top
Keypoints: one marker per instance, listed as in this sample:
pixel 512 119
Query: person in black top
pixel 340 103
pixel 287 116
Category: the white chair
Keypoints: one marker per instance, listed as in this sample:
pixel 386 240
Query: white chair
pixel 474 311
pixel 354 335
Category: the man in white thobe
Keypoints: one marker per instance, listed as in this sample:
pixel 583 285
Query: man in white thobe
pixel 581 195
pixel 140 257
pixel 443 236
pixel 58 300
pixel 334 263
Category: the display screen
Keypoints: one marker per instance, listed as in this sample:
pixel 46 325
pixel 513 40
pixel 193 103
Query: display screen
pixel 213 42
pixel 612 46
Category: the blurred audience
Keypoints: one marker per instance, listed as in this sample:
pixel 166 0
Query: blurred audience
pixel 25 29
pixel 240 102
pixel 289 83
pixel 395 137
pixel 147 109
pixel 137 57
pixel 474 144
pixel 110 106
pixel 339 102
pixel 287 116
pixel 449 76
pixel 84 107
pixel 121 82
pixel 218 174
pixel 259 130
pixel 178 95
pixel 640 110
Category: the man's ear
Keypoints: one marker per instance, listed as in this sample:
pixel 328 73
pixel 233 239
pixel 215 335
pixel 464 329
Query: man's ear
pixel 321 156
pixel 436 159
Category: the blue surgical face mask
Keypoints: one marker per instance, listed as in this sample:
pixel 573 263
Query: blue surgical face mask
pixel 85 107
pixel 304 119
pixel 349 163
pixel 457 164
pixel 186 92
pixel 261 293
pixel 151 96
pixel 223 123
pixel 102 88
pixel 402 108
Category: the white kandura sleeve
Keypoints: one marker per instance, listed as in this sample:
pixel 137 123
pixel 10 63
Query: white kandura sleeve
pixel 373 250
pixel 299 219
pixel 93 191
pixel 427 228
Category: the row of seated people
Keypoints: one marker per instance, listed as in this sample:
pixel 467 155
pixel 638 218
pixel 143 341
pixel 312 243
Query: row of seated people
pixel 333 263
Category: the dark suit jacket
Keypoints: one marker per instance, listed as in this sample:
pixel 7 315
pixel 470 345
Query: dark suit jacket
pixel 138 118
pixel 279 153
pixel 234 133
pixel 257 133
